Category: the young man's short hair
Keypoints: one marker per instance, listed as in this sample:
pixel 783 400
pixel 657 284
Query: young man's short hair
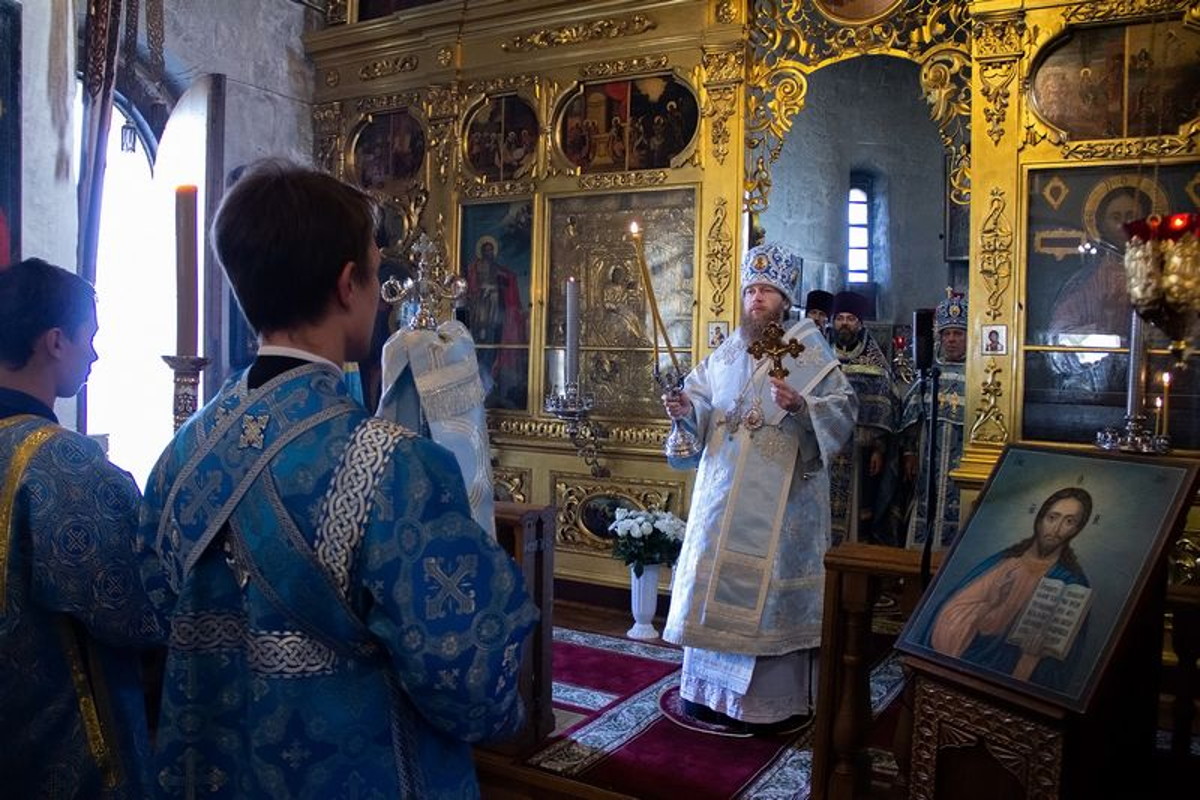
pixel 283 233
pixel 35 297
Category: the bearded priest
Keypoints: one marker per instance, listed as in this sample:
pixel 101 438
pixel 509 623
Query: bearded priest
pixel 747 593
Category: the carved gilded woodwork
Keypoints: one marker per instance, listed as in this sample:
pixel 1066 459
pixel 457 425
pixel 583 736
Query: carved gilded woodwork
pixel 592 30
pixel 945 718
pixel 385 67
pixel 586 505
pixel 998 51
pixel 445 56
pixel 995 255
pixel 478 189
pixel 1184 559
pixel 512 483
pixel 402 218
pixel 789 41
pixel 335 12
pixel 624 180
pixel 718 260
pixel 1122 149
pixel 722 89
pixel 725 11
pixel 333 77
pixel 624 66
pixel 328 141
pixel 989 426
pixel 644 437
pixel 1109 10
pixel 388 102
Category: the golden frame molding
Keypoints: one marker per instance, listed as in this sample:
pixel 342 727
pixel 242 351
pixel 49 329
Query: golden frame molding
pixel 1042 38
pixel 578 33
pixel 572 492
pixel 989 426
pixel 996 252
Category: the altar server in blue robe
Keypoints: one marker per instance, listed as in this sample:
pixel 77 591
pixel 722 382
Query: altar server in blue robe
pixel 72 608
pixel 340 627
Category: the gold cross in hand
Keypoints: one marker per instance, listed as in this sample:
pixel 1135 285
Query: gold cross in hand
pixel 771 344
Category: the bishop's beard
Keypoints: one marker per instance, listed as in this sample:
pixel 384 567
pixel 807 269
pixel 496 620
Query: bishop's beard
pixel 754 327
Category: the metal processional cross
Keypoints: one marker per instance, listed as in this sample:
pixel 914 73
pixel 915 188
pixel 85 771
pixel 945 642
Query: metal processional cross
pixel 771 345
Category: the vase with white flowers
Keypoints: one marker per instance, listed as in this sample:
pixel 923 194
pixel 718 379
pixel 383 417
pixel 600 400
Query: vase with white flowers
pixel 646 541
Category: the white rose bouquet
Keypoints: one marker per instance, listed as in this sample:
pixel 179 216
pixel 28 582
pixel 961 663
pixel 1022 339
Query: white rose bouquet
pixel 647 537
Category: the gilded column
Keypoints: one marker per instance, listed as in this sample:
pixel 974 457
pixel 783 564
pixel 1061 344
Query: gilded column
pixel 998 47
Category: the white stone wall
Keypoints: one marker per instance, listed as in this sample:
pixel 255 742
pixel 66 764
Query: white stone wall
pixel 257 45
pixel 866 113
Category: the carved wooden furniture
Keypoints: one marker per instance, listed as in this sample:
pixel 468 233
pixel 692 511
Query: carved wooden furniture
pixel 853 574
pixel 527 533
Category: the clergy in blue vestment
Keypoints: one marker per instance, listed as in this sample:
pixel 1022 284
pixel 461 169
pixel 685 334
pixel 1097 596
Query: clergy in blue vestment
pixel 340 627
pixel 858 494
pixel 950 326
pixel 747 592
pixel 72 608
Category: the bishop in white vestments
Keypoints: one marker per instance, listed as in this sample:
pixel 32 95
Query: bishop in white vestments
pixel 747 594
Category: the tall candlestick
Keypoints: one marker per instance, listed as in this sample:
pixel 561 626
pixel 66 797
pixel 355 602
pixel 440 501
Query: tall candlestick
pixel 185 270
pixel 571 369
pixel 635 234
pixel 1158 410
pixel 1166 403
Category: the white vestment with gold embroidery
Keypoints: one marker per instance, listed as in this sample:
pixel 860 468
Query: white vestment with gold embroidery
pixel 750 578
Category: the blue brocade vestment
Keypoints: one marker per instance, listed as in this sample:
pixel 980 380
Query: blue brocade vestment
pixel 340 627
pixel 71 610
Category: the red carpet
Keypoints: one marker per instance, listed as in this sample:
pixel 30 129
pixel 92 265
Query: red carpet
pixel 610 695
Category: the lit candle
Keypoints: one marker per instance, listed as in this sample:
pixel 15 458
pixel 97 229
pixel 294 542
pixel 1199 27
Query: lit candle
pixel 185 270
pixel 1166 402
pixel 639 248
pixel 572 360
pixel 1158 410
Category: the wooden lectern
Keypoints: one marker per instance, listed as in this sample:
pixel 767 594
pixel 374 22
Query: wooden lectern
pixel 1036 651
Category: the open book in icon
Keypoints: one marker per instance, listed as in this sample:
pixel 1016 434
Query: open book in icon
pixel 1052 619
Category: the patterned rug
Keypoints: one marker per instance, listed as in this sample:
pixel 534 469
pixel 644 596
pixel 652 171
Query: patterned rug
pixel 613 702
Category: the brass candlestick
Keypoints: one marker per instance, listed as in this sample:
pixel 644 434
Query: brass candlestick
pixel 186 399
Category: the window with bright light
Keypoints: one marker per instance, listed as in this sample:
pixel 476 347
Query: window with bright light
pixel 858 219
pixel 130 390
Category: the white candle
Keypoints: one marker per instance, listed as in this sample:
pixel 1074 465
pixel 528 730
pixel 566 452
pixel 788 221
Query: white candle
pixel 1166 403
pixel 1158 410
pixel 572 360
pixel 185 271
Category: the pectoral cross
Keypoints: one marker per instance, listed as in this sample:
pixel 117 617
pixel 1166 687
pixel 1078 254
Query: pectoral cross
pixel 771 345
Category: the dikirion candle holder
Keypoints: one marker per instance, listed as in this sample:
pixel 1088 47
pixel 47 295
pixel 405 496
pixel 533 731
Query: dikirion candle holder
pixel 574 408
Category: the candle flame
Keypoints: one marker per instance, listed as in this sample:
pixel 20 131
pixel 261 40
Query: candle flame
pixel 633 228
pixel 1158 402
pixel 1166 379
